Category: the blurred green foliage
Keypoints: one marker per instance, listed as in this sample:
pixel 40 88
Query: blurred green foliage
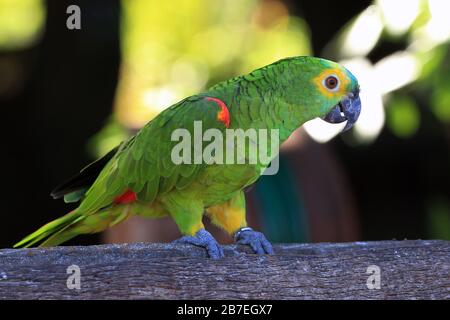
pixel 439 218
pixel 441 102
pixel 403 116
pixel 21 22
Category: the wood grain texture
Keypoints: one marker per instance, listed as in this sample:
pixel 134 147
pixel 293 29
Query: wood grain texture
pixel 409 270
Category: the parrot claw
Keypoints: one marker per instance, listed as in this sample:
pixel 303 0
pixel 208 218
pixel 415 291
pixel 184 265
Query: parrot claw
pixel 256 240
pixel 204 239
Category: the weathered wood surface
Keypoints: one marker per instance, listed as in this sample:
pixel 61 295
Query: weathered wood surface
pixel 408 270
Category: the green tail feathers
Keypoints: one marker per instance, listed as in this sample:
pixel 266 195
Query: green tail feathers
pixel 73 224
pixel 53 233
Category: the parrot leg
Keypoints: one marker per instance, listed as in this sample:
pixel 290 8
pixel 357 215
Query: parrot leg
pixel 204 239
pixel 230 216
pixel 256 240
pixel 188 214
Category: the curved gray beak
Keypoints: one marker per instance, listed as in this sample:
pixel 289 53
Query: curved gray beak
pixel 348 110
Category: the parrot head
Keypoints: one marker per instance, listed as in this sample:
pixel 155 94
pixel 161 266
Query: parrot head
pixel 322 88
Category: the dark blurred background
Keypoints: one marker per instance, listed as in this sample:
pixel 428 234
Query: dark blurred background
pixel 67 96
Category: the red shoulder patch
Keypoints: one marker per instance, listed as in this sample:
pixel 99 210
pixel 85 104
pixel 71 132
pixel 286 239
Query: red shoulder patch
pixel 223 115
pixel 126 198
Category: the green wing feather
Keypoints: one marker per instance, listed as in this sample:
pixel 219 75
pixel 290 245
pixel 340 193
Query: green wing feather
pixel 147 166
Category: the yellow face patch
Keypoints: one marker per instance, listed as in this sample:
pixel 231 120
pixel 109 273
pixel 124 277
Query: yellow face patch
pixel 340 90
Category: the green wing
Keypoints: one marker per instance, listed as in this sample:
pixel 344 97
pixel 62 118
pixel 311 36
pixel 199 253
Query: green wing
pixel 144 164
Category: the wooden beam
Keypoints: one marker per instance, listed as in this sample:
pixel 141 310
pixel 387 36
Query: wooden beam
pixel 407 270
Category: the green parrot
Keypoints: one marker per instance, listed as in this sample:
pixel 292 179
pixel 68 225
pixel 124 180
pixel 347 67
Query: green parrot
pixel 139 177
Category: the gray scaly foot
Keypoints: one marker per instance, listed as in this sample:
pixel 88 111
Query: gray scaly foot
pixel 205 240
pixel 256 240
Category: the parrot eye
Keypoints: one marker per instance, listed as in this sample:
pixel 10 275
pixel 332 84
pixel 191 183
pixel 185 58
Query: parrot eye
pixel 332 83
